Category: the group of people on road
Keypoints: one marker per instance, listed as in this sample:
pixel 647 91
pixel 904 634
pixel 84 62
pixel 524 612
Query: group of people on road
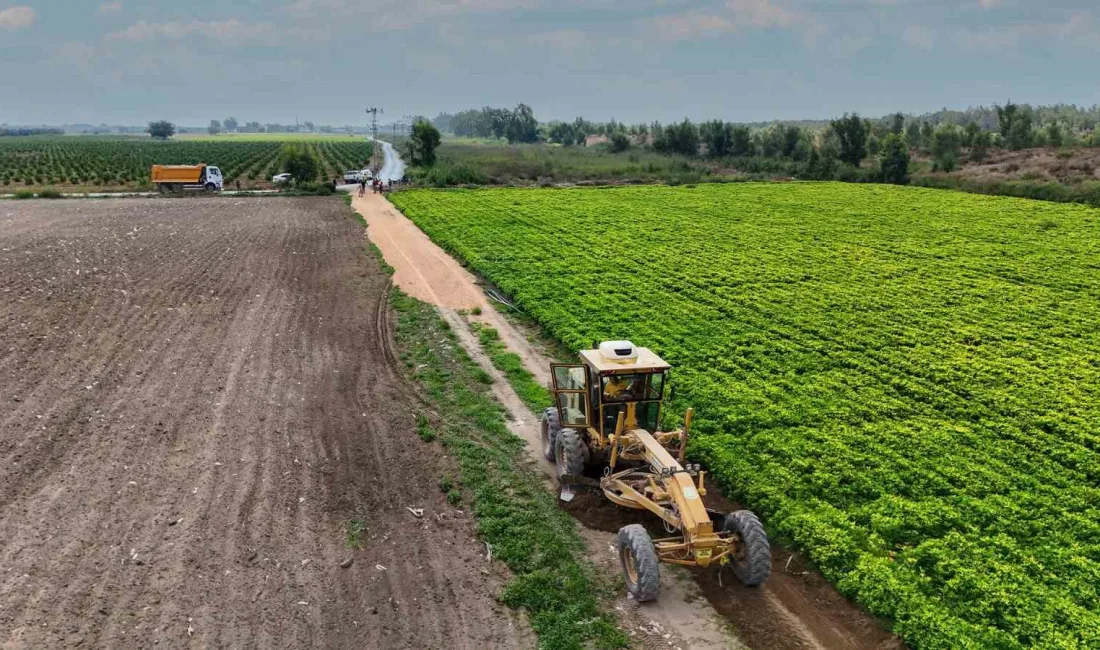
pixel 377 186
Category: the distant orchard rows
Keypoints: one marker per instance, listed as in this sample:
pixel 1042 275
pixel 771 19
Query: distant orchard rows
pixel 122 163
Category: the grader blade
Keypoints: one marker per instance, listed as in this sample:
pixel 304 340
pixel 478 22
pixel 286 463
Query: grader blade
pixel 572 483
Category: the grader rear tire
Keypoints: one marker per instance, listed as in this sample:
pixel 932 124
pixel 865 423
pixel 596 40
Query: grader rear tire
pixel 549 433
pixel 571 453
pixel 752 562
pixel 638 558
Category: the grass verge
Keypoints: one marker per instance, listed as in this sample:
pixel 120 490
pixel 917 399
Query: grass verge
pixel 534 395
pixel 515 513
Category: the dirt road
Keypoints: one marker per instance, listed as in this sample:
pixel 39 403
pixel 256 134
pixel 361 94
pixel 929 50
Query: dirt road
pixel 199 401
pixel 795 609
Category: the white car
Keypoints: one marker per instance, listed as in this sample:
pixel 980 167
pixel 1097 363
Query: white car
pixel 367 174
pixel 353 176
pixel 280 179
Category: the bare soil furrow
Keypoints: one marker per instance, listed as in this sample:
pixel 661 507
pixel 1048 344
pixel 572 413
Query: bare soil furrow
pixel 242 412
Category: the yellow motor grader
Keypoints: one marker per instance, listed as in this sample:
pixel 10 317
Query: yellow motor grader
pixel 606 421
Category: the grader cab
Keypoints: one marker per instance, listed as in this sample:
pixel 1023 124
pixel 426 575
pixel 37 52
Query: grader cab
pixel 607 421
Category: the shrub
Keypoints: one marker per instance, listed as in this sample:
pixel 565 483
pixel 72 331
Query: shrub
pixel 446 173
pixel 24 194
pixel 619 142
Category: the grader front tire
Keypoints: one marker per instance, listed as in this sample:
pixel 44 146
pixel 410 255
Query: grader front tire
pixel 752 563
pixel 549 433
pixel 638 558
pixel 571 453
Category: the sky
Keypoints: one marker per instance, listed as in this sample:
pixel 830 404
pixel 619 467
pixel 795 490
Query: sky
pixel 128 62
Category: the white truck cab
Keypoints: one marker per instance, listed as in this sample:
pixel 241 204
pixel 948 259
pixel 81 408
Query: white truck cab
pixel 213 178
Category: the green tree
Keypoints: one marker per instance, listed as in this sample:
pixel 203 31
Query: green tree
pixel 563 133
pixel 926 133
pixel 718 136
pixel 230 124
pixel 970 133
pixel 979 146
pixel 214 128
pixel 1006 116
pixel 894 159
pixel 1020 132
pixel 912 133
pixel 874 145
pixel 790 137
pixel 619 142
pixel 522 125
pixel 946 142
pixel 582 128
pixel 465 123
pixel 769 141
pixel 741 141
pixel 298 161
pixel 828 153
pixel 682 138
pixel 1055 136
pixel 851 131
pixel 161 130
pixel 897 124
pixel 423 141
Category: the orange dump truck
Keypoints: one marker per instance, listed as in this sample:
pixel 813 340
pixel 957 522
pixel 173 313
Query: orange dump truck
pixel 175 178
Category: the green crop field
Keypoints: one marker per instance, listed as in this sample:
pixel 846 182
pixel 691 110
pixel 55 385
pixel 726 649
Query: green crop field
pixel 270 137
pixel 121 163
pixel 904 382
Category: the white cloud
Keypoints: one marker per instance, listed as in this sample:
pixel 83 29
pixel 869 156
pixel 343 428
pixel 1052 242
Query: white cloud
pixel 989 3
pixel 847 46
pixel 919 37
pixel 989 40
pixel 1079 29
pixel 763 14
pixel 403 12
pixel 740 15
pixel 110 7
pixel 228 32
pixel 690 26
pixel 562 39
pixel 17 17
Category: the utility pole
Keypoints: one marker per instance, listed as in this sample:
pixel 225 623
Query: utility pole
pixel 374 121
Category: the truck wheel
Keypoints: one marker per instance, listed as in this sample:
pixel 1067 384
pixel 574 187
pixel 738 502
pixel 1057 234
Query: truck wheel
pixel 210 187
pixel 752 560
pixel 571 453
pixel 638 559
pixel 549 432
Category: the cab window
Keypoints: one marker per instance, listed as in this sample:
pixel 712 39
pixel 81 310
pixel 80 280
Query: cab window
pixel 647 414
pixel 656 386
pixel 572 409
pixel 569 377
pixel 623 388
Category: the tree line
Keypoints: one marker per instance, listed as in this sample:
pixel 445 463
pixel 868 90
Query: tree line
pixel 232 125
pixel 834 149
pixel 26 131
pixel 517 125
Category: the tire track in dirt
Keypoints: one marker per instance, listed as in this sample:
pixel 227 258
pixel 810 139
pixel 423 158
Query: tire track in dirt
pixel 245 412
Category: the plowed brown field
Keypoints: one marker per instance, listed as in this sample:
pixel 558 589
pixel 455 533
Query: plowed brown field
pixel 196 398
